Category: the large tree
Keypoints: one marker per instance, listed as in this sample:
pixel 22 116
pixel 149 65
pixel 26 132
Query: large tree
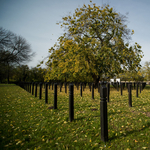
pixel 95 43
pixel 13 49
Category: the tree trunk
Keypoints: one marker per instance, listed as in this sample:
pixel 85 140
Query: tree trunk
pixel 96 80
pixel 24 77
pixel 7 72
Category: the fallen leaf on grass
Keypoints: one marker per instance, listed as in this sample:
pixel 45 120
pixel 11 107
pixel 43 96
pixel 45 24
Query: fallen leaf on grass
pixel 144 147
pixel 136 141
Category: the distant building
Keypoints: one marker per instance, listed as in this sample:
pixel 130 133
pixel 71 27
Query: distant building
pixel 118 80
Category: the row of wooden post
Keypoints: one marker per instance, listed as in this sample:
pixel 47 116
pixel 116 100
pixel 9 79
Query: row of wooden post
pixel 27 86
pixel 104 97
pixel 122 85
pixel 103 102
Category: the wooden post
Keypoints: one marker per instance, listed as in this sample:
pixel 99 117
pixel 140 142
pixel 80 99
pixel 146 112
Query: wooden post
pixel 32 88
pixel 81 89
pixel 35 89
pixel 55 96
pixel 71 102
pixel 121 87
pixel 137 89
pixel 103 113
pixel 92 90
pixel 40 91
pixel 130 95
pixel 46 93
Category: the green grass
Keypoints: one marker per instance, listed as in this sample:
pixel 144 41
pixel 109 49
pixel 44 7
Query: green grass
pixel 28 123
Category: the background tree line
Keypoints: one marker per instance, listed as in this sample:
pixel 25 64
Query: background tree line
pixel 23 73
pixel 142 75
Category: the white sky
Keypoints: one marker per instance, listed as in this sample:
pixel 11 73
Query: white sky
pixel 35 20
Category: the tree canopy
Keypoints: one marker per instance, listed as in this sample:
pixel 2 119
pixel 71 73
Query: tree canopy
pixel 96 43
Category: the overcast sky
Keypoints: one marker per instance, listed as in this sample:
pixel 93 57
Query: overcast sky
pixel 35 20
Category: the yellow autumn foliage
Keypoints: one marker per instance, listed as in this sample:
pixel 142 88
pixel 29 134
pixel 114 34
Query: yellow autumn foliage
pixel 93 45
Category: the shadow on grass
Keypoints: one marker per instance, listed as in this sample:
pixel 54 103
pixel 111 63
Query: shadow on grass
pixel 80 118
pixel 147 87
pixel 117 101
pixel 5 85
pixel 130 132
pixel 140 105
pixel 113 113
pixel 51 107
pixel 85 117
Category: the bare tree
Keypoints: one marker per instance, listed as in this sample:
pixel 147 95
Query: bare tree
pixel 5 45
pixel 13 49
pixel 21 50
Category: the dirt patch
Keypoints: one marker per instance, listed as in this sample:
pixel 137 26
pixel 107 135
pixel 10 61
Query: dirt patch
pixel 144 113
pixel 136 112
pixel 148 114
pixel 94 109
pixel 51 107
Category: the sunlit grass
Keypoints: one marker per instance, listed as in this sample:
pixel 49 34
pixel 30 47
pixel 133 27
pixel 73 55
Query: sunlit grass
pixel 29 123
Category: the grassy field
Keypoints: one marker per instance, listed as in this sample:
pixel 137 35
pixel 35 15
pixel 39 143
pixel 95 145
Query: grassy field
pixel 28 123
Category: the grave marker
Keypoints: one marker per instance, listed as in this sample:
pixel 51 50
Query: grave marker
pixel 130 95
pixel 71 102
pixel 46 93
pixel 55 96
pixel 103 113
pixel 40 91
